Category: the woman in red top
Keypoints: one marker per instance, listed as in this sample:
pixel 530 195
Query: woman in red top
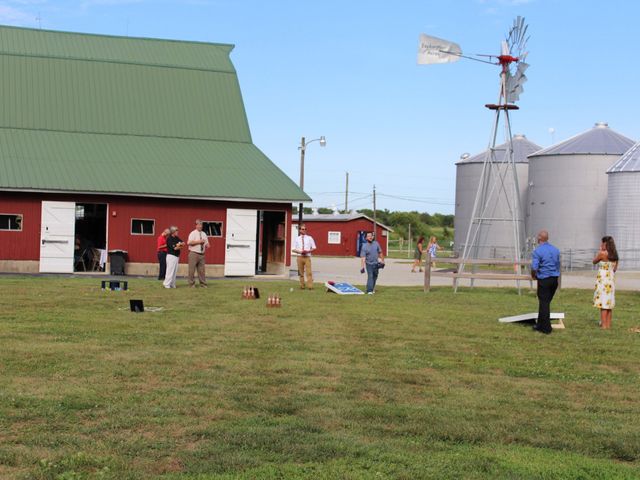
pixel 162 253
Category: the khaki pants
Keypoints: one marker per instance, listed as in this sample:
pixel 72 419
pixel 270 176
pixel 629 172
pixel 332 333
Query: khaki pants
pixel 196 261
pixel 304 263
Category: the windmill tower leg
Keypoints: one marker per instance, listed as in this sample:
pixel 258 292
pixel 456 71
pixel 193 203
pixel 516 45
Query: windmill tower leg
pixel 497 191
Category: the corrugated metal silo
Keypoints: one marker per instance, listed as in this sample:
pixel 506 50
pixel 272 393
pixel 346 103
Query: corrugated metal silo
pixel 568 191
pixel 623 207
pixel 497 241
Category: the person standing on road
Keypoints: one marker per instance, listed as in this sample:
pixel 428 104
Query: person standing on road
pixel 303 246
pixel 174 247
pixel 417 255
pixel 162 253
pixel 432 248
pixel 198 244
pixel 372 259
pixel 545 267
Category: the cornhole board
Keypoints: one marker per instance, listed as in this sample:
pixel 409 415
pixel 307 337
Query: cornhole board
pixel 343 288
pixel 533 316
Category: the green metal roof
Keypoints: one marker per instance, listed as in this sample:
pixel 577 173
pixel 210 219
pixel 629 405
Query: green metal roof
pixel 107 48
pixel 126 115
pixel 60 161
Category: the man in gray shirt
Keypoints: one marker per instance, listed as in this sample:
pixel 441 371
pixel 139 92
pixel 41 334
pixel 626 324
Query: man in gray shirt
pixel 370 257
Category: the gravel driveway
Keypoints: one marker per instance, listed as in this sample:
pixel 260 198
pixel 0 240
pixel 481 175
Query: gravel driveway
pixel 398 273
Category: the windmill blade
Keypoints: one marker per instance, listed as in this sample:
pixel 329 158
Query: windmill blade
pixel 505 49
pixel 517 37
pixel 514 83
pixel 433 50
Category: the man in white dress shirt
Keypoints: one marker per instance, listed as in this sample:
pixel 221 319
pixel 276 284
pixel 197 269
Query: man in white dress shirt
pixel 303 246
pixel 198 243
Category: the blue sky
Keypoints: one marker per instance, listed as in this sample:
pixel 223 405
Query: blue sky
pixel 347 70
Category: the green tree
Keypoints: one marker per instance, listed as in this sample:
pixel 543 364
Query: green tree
pixel 305 211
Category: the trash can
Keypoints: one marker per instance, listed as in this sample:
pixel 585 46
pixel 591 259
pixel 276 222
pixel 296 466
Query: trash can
pixel 117 261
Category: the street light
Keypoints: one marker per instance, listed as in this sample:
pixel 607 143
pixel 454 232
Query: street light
pixel 303 148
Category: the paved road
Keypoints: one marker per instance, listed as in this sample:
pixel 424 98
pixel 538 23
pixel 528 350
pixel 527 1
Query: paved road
pixel 398 273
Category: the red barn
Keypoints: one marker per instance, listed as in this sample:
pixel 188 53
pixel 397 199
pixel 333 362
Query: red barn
pixel 339 234
pixel 109 140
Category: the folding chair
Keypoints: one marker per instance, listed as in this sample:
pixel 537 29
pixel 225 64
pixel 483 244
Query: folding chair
pixel 94 261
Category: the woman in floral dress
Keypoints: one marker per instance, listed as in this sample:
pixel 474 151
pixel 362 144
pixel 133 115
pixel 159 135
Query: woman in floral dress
pixel 604 297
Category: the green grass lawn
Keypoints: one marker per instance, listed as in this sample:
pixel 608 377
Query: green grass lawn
pixel 396 385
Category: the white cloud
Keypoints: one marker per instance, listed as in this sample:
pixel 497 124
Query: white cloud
pixel 108 3
pixel 27 2
pixel 495 7
pixel 15 16
pixel 514 3
pixel 495 4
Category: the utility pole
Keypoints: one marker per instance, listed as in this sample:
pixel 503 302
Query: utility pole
pixel 375 223
pixel 409 249
pixel 346 195
pixel 302 150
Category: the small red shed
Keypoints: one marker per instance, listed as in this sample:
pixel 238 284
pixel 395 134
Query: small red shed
pixel 339 234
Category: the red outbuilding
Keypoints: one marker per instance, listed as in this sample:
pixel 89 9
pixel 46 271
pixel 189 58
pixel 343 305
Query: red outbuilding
pixel 106 141
pixel 341 235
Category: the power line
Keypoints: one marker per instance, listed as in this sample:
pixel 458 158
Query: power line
pixel 336 193
pixel 433 201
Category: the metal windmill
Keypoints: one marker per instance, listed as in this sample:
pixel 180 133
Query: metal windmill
pixel 497 199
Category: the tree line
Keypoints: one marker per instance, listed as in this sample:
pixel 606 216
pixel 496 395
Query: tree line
pixel 422 223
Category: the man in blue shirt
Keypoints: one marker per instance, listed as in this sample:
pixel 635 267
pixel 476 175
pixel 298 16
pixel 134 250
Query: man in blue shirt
pixel 371 257
pixel 545 267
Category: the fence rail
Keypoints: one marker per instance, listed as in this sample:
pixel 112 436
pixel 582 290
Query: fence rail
pixel 572 259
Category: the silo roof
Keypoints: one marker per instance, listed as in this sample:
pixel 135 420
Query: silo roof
pixel 522 148
pixel 629 162
pixel 599 140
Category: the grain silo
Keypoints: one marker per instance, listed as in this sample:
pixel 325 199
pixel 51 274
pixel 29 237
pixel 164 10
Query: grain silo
pixel 568 191
pixel 623 207
pixel 497 238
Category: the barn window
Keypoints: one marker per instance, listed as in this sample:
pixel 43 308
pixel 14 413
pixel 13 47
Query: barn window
pixel 334 238
pixel 212 229
pixel 141 226
pixel 10 221
pixel 385 233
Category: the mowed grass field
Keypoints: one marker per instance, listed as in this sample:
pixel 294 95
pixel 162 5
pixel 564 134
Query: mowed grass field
pixel 397 385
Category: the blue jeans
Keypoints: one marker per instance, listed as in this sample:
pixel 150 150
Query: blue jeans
pixel 372 276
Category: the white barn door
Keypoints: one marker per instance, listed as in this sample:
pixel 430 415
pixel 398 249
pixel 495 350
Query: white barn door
pixel 240 253
pixel 57 237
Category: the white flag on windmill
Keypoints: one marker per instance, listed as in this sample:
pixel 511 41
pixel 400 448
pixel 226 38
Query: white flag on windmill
pixel 436 50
